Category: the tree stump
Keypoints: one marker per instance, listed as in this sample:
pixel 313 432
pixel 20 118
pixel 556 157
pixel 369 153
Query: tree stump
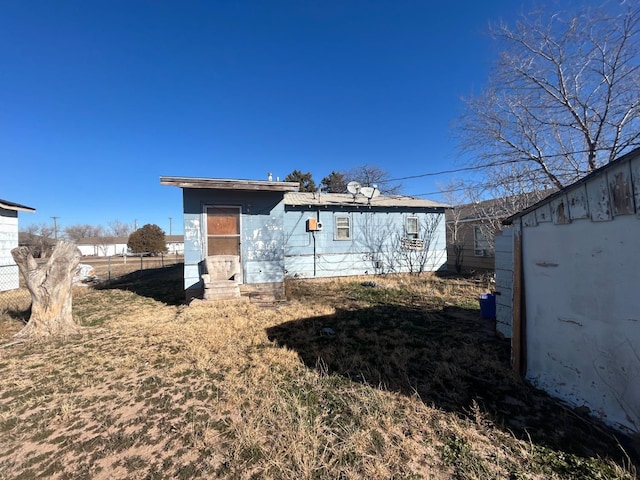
pixel 50 289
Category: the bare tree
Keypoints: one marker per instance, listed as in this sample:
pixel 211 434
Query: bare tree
pixel 487 215
pixel 563 98
pixel 39 239
pixel 119 229
pixel 375 238
pixel 414 252
pixel 76 233
pixel 369 175
pixel 456 196
pixel 391 250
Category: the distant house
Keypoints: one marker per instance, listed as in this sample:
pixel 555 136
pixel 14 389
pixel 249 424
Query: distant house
pixel 175 244
pixel 567 277
pixel 103 246
pixel 9 274
pixel 275 231
pixel 112 246
pixel 332 234
pixel 471 228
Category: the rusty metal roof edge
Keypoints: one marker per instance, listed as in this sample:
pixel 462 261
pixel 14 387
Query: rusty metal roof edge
pixel 627 157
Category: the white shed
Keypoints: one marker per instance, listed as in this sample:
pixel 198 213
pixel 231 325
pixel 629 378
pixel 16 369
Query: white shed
pixel 9 275
pixel 567 276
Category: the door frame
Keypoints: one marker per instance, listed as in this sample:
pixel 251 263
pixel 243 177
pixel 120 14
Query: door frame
pixel 205 233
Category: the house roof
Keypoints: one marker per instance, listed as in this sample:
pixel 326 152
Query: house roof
pixel 7 205
pixel 347 200
pixel 497 208
pixel 584 180
pixel 229 184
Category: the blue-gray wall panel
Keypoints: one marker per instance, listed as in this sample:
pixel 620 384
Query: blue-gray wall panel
pixel 262 236
pixel 374 246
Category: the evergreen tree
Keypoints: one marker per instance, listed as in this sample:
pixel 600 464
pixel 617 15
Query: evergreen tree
pixel 334 183
pixel 148 239
pixel 304 179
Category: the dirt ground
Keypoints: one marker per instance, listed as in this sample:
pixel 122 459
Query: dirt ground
pixel 347 378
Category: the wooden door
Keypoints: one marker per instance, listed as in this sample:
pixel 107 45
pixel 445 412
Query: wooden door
pixel 223 231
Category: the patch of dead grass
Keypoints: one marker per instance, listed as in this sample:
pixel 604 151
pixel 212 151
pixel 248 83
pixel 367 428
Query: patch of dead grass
pixel 232 390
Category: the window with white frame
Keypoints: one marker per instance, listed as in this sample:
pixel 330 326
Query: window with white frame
pixel 481 245
pixel 411 239
pixel 412 227
pixel 343 228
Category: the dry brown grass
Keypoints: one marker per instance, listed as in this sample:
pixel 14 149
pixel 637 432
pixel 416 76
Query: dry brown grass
pixel 400 387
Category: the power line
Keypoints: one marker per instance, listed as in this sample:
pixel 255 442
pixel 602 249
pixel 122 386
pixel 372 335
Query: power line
pixel 456 170
pixel 482 167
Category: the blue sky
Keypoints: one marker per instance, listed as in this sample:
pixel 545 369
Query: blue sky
pixel 98 99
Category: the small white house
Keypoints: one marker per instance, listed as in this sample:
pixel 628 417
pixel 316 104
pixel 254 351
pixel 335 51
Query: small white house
pixel 103 246
pixel 175 244
pixel 115 246
pixel 567 276
pixel 9 274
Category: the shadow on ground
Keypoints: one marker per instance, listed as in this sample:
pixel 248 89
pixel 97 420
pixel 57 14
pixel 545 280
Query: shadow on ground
pixel 163 284
pixel 452 359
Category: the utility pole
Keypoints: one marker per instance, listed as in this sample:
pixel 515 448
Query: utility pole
pixel 55 227
pixel 169 225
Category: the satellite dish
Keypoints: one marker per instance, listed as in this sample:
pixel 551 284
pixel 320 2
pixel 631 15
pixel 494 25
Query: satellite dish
pixel 353 187
pixel 370 192
pixel 367 191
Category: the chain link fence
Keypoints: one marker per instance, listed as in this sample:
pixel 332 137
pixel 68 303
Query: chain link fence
pixel 110 268
pixel 14 296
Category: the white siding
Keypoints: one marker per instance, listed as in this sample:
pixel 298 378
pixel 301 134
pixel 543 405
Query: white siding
pixel 504 282
pixel 103 250
pixel 583 314
pixel 9 276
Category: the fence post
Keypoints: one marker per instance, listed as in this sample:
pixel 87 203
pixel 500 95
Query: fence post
pixel 141 262
pixel 109 268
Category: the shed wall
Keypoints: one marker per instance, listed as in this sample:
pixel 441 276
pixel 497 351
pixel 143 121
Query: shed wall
pixel 504 282
pixel 583 314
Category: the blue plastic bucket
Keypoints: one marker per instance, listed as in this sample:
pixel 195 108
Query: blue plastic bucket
pixel 487 305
